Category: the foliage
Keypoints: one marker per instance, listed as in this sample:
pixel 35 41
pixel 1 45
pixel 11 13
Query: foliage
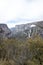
pixel 18 52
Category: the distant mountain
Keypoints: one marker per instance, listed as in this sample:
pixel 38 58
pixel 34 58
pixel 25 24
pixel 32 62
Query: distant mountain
pixel 22 31
pixel 28 30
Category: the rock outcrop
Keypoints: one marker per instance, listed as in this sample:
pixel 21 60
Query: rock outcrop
pixel 5 32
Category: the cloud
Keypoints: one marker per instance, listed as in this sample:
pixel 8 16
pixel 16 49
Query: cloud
pixel 14 12
pixel 9 9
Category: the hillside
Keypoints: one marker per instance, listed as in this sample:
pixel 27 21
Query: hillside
pixel 23 47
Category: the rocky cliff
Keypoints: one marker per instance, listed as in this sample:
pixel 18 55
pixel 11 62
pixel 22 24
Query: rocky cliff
pixel 5 32
pixel 29 29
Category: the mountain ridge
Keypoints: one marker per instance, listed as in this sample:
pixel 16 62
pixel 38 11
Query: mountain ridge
pixel 27 29
pixel 22 31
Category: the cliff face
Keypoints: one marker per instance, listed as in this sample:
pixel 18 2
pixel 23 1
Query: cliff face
pixel 29 29
pixel 38 28
pixel 4 31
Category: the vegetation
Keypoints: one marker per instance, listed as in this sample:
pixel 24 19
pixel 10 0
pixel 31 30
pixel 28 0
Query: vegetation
pixel 18 52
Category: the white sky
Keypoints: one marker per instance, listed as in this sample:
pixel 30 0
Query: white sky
pixel 14 12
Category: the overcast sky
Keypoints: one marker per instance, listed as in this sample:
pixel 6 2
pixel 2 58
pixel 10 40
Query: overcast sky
pixel 14 12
